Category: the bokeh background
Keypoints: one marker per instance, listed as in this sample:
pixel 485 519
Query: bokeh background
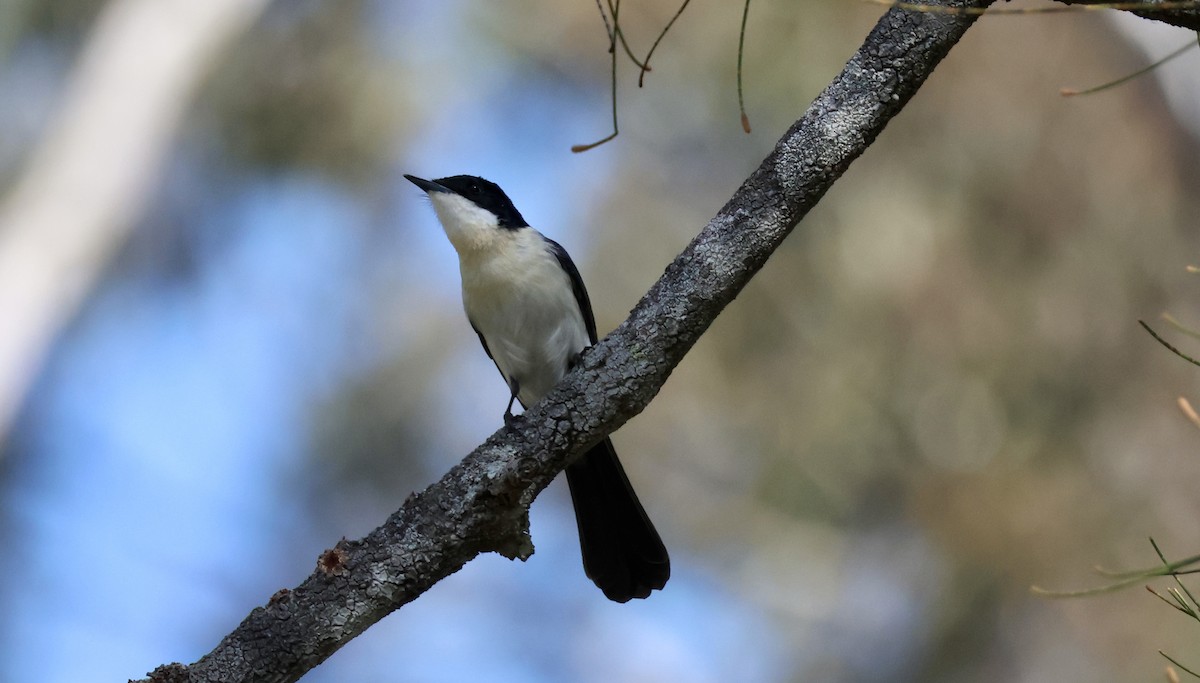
pixel 934 396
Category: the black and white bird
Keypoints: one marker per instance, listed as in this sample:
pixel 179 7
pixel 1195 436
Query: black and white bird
pixel 525 299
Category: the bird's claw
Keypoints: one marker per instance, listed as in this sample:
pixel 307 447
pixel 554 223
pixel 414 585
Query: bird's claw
pixel 509 419
pixel 575 359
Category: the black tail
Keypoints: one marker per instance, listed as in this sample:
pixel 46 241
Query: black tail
pixel 622 552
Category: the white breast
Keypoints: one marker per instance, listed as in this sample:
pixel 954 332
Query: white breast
pixel 520 299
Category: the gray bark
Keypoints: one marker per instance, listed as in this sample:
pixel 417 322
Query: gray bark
pixel 1166 11
pixel 481 505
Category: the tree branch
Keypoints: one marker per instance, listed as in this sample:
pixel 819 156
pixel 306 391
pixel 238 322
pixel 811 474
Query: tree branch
pixel 1169 13
pixel 482 503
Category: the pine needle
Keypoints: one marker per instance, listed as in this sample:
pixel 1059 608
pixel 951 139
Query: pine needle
pixel 1070 92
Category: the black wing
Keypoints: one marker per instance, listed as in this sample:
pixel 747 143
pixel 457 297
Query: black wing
pixel 489 353
pixel 482 340
pixel 581 295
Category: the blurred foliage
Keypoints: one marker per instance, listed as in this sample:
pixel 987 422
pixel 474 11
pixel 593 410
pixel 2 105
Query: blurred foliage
pixel 304 92
pixel 65 21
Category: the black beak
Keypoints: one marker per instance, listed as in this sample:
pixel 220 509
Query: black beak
pixel 428 185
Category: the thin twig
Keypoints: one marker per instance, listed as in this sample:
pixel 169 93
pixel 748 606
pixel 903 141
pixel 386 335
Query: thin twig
pixel 741 50
pixel 612 50
pixel 646 62
pixel 1176 663
pixel 1071 92
pixel 1124 579
pixel 607 27
pixel 621 35
pixel 1164 342
pixel 1188 608
pixel 1180 327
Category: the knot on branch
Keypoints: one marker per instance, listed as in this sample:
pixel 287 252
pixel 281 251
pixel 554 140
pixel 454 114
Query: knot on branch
pixel 169 673
pixel 505 527
pixel 514 542
pixel 332 562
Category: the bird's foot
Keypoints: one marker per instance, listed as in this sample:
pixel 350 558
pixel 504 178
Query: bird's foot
pixel 509 419
pixel 577 357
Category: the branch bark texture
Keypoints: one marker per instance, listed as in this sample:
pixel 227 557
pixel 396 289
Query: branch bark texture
pixel 482 504
pixel 1165 11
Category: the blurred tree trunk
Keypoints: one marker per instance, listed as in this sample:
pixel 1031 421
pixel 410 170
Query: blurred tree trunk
pixel 88 178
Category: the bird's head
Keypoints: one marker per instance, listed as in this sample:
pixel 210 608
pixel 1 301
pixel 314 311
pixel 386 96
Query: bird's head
pixel 471 210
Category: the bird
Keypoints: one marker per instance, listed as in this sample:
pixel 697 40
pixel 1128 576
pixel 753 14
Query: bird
pixel 526 301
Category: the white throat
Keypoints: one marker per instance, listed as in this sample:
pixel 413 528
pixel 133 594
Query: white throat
pixel 469 228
